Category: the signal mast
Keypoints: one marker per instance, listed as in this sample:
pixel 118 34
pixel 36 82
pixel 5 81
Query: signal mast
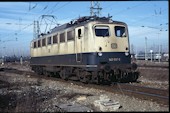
pixel 95 9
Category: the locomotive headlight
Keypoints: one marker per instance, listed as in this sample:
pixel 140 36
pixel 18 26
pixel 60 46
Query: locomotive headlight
pixel 126 53
pixel 100 54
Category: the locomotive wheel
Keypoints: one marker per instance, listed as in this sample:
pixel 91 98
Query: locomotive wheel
pixel 63 74
pixel 84 77
pixel 124 77
pixel 56 74
pixel 100 78
pixel 46 73
pixel 118 78
pixel 134 77
pixel 41 70
pixel 38 70
pixel 95 78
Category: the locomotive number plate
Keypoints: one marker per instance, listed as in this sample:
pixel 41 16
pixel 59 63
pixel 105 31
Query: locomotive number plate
pixel 114 59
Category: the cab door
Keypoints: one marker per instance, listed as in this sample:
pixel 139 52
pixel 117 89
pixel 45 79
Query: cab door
pixel 79 35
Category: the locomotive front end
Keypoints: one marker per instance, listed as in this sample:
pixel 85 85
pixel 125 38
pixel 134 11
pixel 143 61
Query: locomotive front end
pixel 112 52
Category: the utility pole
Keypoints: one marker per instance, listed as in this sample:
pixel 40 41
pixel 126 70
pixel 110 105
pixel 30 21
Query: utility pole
pixel 36 29
pixel 145 48
pixel 151 51
pixel 159 14
pixel 95 9
pixel 159 55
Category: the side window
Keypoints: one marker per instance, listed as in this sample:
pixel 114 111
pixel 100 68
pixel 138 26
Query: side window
pixel 79 33
pixel 62 37
pixel 55 39
pixel 120 31
pixel 70 35
pixel 44 42
pixel 34 44
pixel 49 40
pixel 39 43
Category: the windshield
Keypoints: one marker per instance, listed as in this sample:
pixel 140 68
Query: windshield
pixel 120 31
pixel 102 31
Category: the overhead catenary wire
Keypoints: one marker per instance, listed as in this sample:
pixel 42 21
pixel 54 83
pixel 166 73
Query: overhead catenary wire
pixel 68 3
pixel 56 7
pixel 53 8
pixel 145 18
pixel 129 8
pixel 110 5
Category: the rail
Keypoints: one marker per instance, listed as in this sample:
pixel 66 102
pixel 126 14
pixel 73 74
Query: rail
pixel 153 94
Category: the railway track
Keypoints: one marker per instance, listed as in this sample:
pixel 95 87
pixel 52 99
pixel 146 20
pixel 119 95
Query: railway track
pixel 154 66
pixel 152 94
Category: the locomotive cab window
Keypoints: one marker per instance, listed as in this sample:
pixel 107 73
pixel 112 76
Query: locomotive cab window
pixel 120 31
pixel 102 31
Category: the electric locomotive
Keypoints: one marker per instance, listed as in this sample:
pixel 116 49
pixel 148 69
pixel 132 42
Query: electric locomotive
pixel 89 49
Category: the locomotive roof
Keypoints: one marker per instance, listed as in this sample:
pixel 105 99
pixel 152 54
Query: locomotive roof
pixel 84 20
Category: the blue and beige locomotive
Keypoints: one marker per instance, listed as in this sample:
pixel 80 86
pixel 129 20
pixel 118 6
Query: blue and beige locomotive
pixel 90 49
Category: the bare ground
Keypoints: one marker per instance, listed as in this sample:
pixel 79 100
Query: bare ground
pixel 24 93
